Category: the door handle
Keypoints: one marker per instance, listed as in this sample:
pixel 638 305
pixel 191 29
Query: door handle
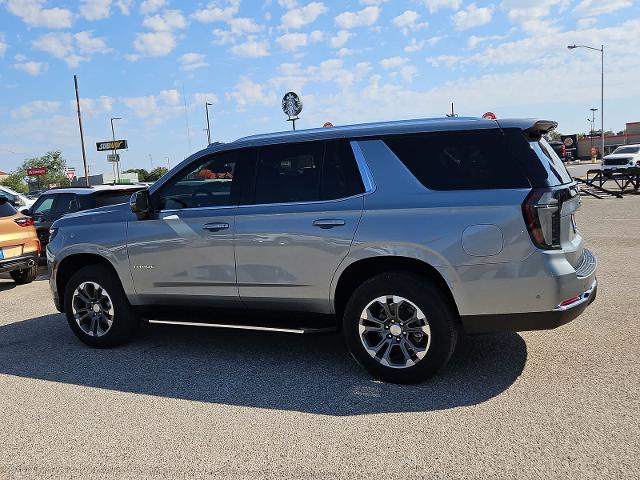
pixel 329 222
pixel 213 227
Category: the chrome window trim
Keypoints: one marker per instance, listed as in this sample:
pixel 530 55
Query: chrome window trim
pixel 178 210
pixel 310 202
pixel 365 173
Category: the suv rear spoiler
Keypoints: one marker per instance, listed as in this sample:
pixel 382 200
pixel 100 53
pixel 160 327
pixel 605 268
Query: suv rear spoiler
pixel 533 130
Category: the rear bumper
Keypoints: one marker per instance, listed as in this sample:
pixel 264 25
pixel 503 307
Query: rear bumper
pixel 18 263
pixel 519 322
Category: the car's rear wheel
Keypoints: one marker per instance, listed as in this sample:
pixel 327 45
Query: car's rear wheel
pixel 26 275
pixel 97 308
pixel 400 327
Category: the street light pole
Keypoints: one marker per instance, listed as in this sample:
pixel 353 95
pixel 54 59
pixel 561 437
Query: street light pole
pixel 113 144
pixel 601 50
pixel 206 107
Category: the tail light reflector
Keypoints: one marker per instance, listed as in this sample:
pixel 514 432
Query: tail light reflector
pixel 24 221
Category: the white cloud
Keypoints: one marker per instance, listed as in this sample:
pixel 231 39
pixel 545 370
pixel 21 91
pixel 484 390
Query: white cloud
pixel 223 37
pixel 153 44
pixel 535 17
pixel 213 13
pixel 373 2
pixel 170 97
pixel 408 22
pixel 3 45
pixel 471 17
pixel 191 61
pixel 95 9
pixel 73 49
pixel 316 36
pixel 88 44
pixel 340 38
pixel 32 68
pixel 246 93
pixel 448 60
pixel 593 8
pixel 203 97
pixel 151 6
pixel 92 107
pixel 33 14
pixel 414 46
pixel 243 25
pixel 299 17
pixel 473 41
pixel 292 41
pixel 586 23
pixel 35 107
pixel 251 48
pixel 143 107
pixel 124 6
pixel 363 18
pixel 167 21
pixel 393 62
pixel 435 5
pixel 407 73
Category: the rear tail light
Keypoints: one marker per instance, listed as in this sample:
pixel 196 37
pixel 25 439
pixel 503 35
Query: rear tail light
pixel 563 150
pixel 24 221
pixel 541 212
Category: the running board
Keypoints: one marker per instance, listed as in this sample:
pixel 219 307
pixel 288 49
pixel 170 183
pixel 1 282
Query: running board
pixel 246 327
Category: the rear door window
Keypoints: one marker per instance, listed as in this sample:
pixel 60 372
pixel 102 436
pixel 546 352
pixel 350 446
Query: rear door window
pixel 112 198
pixel 6 209
pixel 289 173
pixel 470 160
pixel 340 174
pixel 64 203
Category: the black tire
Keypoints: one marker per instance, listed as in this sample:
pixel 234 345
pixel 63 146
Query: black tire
pixel 441 317
pixel 27 275
pixel 124 321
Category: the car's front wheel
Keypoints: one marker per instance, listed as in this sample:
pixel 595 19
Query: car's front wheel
pixel 400 327
pixel 97 308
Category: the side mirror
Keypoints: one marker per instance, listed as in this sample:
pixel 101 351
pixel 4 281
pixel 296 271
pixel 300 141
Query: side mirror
pixel 140 203
pixel 25 211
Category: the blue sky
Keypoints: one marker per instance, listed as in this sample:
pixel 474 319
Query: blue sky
pixel 350 61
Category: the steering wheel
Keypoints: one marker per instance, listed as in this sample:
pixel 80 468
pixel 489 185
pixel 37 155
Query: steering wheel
pixel 200 191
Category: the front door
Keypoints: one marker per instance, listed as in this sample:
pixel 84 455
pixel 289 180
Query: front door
pixel 184 254
pixel 291 238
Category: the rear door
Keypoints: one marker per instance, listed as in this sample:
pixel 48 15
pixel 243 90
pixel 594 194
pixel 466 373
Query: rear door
pixel 299 224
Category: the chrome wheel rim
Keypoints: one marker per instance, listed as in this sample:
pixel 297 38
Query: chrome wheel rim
pixel 92 309
pixel 394 331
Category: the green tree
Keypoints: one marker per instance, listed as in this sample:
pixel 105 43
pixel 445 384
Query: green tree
pixel 156 173
pixel 15 181
pixel 55 165
pixel 553 136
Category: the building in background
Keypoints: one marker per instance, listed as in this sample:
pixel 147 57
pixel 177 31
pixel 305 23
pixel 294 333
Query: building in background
pixel 611 142
pixel 3 175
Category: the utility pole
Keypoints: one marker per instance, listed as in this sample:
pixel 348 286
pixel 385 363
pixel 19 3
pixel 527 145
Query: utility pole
pixel 84 155
pixel 206 107
pixel 113 138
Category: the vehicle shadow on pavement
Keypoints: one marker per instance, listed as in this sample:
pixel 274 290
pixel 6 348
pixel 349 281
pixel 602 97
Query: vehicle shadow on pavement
pixel 313 374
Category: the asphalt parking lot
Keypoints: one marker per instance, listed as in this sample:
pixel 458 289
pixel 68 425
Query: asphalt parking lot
pixel 182 402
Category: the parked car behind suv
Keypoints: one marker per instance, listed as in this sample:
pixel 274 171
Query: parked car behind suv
pixel 53 204
pixel 403 234
pixel 623 157
pixel 19 246
pixel 14 198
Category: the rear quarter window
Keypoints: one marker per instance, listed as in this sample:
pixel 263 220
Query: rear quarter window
pixel 470 160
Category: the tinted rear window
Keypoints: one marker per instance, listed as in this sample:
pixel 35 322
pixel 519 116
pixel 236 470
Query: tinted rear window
pixel 556 172
pixel 340 175
pixel 112 198
pixel 471 160
pixel 6 209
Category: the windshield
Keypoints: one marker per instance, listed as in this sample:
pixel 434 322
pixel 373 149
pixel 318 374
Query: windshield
pixel 628 149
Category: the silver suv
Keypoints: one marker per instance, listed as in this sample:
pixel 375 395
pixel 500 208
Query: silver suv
pixel 402 234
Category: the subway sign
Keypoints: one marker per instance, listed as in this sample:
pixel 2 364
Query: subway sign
pixel 112 145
